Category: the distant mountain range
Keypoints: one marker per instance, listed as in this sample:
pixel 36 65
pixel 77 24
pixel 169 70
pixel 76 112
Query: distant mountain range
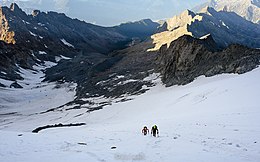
pixel 248 9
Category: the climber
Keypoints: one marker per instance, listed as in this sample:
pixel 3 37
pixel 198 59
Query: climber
pixel 145 130
pixel 155 131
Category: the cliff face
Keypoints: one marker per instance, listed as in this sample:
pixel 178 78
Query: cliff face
pixel 188 58
pixel 5 35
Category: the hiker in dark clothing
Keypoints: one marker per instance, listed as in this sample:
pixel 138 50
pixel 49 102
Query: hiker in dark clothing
pixel 155 131
pixel 145 130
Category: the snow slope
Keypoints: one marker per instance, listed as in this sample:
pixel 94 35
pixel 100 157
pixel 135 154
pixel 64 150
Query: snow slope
pixel 210 120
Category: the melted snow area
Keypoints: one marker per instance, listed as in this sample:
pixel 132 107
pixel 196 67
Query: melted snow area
pixel 210 120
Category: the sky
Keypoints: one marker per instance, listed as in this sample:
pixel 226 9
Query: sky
pixel 112 12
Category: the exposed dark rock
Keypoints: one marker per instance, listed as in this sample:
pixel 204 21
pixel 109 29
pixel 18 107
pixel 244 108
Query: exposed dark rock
pixel 83 143
pixel 15 85
pixel 13 55
pixel 188 58
pixel 133 65
pixel 113 147
pixel 1 85
pixel 37 130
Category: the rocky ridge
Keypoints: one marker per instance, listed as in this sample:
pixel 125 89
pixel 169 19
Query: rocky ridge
pixel 225 27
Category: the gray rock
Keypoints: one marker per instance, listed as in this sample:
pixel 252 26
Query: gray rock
pixel 188 58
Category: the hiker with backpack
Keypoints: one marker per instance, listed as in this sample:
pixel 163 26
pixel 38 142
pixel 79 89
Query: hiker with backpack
pixel 155 131
pixel 145 130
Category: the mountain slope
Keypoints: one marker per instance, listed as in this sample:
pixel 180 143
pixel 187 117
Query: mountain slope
pixel 52 27
pixel 110 77
pixel 52 37
pixel 212 119
pixel 225 27
pixel 248 9
pixel 80 53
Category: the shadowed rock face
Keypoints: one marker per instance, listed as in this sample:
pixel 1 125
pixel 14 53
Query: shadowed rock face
pixel 188 58
pixel 13 55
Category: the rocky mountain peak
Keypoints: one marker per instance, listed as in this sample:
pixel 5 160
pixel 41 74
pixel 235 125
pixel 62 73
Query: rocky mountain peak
pixel 15 8
pixel 180 20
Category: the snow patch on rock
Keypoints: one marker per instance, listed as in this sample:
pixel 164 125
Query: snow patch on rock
pixel 66 43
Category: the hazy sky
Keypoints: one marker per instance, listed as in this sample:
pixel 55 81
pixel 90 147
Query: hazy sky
pixel 112 12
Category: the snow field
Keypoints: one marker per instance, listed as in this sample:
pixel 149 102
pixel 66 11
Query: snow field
pixel 212 119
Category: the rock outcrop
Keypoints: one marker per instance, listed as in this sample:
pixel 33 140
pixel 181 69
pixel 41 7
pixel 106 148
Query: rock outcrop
pixel 5 34
pixel 188 58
